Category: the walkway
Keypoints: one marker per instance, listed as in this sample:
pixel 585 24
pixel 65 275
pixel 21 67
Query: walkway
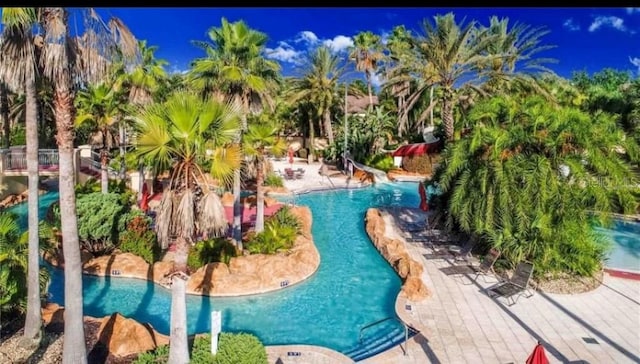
pixel 461 324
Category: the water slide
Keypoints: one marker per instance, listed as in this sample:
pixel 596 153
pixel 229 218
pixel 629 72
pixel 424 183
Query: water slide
pixel 379 176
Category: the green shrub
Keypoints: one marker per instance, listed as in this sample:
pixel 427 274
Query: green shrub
pixel 284 217
pixel 99 221
pixel 158 356
pixel 139 240
pixel 240 348
pixel 273 180
pixel 275 238
pixel 209 251
pixel 383 162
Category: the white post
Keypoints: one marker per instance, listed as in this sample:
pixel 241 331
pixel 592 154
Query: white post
pixel 216 328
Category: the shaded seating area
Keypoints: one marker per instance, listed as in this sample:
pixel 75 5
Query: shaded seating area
pixel 516 286
pixel 485 268
pixel 451 252
pixel 291 174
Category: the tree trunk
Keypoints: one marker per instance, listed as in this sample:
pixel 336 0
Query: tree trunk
pixel 104 172
pixel 327 125
pixel 447 113
pixel 4 115
pixel 123 166
pixel 179 345
pixel 33 322
pixel 368 74
pixel 260 195
pixel 74 348
pixel 312 136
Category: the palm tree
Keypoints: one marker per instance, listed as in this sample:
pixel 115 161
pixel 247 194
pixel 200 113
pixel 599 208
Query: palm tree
pixel 182 133
pixel 512 56
pixel 446 53
pixel 319 86
pixel 19 69
pixel 103 107
pixel 366 53
pixel 68 61
pixel 262 138
pixel 235 67
pixel 528 176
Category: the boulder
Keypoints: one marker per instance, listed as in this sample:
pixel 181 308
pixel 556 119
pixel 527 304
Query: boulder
pixel 123 265
pixel 124 337
pixel 394 252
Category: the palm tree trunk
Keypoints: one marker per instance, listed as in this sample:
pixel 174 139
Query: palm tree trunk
pixel 123 167
pixel 447 113
pixel 327 125
pixel 368 75
pixel 4 114
pixel 33 322
pixel 260 195
pixel 179 345
pixel 104 173
pixel 312 136
pixel 74 349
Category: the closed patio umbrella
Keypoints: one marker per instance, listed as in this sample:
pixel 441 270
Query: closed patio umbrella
pixel 290 154
pixel 144 202
pixel 538 356
pixel 423 197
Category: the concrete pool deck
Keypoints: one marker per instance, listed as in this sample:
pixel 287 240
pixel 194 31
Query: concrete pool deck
pixel 459 323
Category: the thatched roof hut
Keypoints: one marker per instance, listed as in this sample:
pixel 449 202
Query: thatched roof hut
pixel 359 104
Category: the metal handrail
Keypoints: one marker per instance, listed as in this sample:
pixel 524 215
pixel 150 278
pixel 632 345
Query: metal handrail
pixel 406 329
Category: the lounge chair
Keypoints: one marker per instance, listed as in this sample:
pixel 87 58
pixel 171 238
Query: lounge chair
pixel 516 286
pixel 485 268
pixel 452 252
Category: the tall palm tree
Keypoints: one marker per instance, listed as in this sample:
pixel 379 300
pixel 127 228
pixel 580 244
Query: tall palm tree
pixel 319 85
pixel 68 61
pixel 103 107
pixel 448 52
pixel 366 53
pixel 235 67
pixel 181 134
pixel 259 139
pixel 512 56
pixel 19 69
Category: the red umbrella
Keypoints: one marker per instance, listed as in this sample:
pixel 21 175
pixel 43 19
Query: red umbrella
pixel 423 197
pixel 290 154
pixel 144 202
pixel 538 356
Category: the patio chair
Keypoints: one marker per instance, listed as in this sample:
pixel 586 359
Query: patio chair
pixel 452 252
pixel 289 174
pixel 484 269
pixel 516 286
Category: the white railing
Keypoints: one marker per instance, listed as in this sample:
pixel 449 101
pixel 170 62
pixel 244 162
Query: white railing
pixel 16 159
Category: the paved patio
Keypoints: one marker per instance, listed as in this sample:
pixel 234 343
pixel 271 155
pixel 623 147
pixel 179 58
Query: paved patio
pixel 461 324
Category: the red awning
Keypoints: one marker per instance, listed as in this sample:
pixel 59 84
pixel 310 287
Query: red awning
pixel 411 150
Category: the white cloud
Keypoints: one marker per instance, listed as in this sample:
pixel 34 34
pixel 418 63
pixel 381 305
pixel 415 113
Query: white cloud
pixel 377 80
pixel 608 21
pixel 338 43
pixel 284 52
pixel 307 36
pixel 636 62
pixel 632 10
pixel 571 25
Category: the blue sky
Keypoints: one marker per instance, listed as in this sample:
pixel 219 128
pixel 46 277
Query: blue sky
pixel 585 38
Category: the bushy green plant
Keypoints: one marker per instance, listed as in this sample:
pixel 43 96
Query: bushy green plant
pixel 209 251
pixel 233 348
pixel 383 162
pixel 275 238
pixel 273 180
pixel 13 265
pixel 92 185
pixel 139 240
pixel 284 217
pixel 98 221
pixel 158 356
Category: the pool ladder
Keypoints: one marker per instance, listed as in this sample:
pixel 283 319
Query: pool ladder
pixel 395 318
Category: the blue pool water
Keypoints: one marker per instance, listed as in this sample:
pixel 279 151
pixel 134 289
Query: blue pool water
pixel 625 253
pixel 354 286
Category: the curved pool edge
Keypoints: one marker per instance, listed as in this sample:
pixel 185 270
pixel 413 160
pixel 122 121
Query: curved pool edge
pixel 306 354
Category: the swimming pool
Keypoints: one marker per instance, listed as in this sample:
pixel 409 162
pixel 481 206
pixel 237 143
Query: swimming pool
pixel 354 286
pixel 625 253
